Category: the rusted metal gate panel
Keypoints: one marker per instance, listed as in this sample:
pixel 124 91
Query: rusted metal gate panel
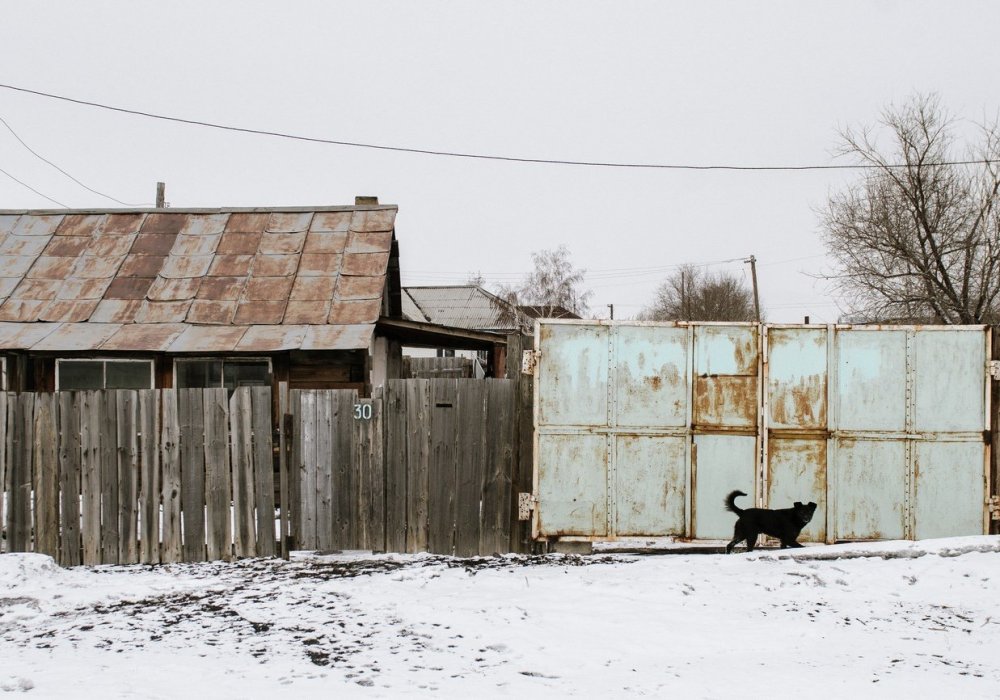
pixel 724 423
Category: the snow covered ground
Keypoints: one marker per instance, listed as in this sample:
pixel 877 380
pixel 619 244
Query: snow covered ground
pixel 877 620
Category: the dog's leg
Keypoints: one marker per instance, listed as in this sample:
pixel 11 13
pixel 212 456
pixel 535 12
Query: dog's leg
pixel 738 536
pixel 751 541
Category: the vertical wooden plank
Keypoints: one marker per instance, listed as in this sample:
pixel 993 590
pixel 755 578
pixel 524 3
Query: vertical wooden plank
pixel 442 471
pixel 128 476
pixel 305 451
pixel 3 459
pixel 171 478
pixel 524 421
pixel 284 482
pixel 46 476
pixel 368 476
pixel 70 553
pixel 219 530
pixel 110 534
pixel 149 484
pixel 325 474
pixel 89 404
pixel 500 447
pixel 19 495
pixel 470 432
pixel 376 472
pixel 191 414
pixel 394 427
pixel 241 427
pixel 263 469
pixel 346 492
pixel 418 440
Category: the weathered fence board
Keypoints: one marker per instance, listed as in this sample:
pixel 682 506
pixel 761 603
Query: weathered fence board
pixel 46 477
pixel 418 449
pixel 90 488
pixel 241 429
pixel 470 414
pixel 128 477
pixel 19 494
pixel 344 493
pixel 149 485
pixel 263 469
pixel 394 425
pixel 191 413
pixel 170 479
pixel 108 441
pixel 442 474
pixel 218 490
pixel 70 553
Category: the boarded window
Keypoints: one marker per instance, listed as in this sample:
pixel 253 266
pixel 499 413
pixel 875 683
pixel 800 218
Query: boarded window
pixel 81 375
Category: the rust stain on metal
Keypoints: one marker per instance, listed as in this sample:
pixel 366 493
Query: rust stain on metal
pixel 162 311
pixel 802 404
pixel 191 244
pixel 360 287
pixel 282 243
pixel 364 264
pixel 24 245
pixel 231 266
pixel 121 223
pixel 37 289
pixel 44 268
pixel 14 336
pixel 325 242
pixel 267 288
pixel 313 289
pixel 211 312
pixel 79 224
pixel 7 285
pixel 307 312
pixel 208 339
pixel 129 288
pixel 153 243
pixel 66 246
pixel 77 336
pixel 355 312
pixel 725 400
pixel 116 311
pixel 247 222
pixel 331 221
pixel 22 309
pixel 178 266
pixel 93 267
pixel 45 225
pixel 142 265
pixel 19 265
pixel 239 243
pixel 371 242
pixel 110 245
pixel 319 265
pixel 345 337
pixel 82 289
pixel 164 223
pixel 69 311
pixel 373 220
pixel 164 289
pixel 289 222
pixel 275 265
pixel 270 338
pixel 144 337
pixel 221 288
pixel 260 312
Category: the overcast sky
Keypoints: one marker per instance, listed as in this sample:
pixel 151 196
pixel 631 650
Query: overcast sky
pixel 708 83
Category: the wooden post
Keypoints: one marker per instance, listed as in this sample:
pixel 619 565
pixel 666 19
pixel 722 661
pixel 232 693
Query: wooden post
pixel 522 474
pixel 161 195
pixel 756 296
pixel 284 495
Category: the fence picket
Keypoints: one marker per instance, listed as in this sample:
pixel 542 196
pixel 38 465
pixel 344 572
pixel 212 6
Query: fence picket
pixel 90 486
pixel 393 417
pixel 70 553
pixel 470 415
pixel 3 459
pixel 345 494
pixel 418 441
pixel 45 476
pixel 128 477
pixel 242 463
pixel 263 469
pixel 171 478
pixel 442 470
pixel 149 482
pixel 218 487
pixel 19 493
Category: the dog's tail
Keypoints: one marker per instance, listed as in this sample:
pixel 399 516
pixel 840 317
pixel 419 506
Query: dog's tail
pixel 731 502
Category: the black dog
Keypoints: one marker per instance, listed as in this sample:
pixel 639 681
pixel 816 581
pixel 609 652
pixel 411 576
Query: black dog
pixel 785 524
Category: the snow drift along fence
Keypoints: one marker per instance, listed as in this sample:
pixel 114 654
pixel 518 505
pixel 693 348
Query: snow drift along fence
pixel 424 465
pixel 109 477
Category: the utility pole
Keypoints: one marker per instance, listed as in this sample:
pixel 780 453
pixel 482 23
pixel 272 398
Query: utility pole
pixel 161 195
pixel 612 307
pixel 685 311
pixel 756 296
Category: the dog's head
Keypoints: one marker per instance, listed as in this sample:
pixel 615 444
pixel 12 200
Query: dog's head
pixel 805 511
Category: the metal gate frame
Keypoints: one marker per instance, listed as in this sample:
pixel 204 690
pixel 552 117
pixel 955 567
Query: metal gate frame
pixel 831 433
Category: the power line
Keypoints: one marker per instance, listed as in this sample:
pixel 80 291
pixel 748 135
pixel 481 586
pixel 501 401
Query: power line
pixel 477 156
pixel 46 160
pixel 25 184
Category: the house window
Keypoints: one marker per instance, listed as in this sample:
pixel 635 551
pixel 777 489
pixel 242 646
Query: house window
pixel 83 375
pixel 227 373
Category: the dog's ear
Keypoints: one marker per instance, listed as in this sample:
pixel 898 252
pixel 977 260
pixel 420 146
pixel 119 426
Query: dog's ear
pixel 812 505
pixel 798 504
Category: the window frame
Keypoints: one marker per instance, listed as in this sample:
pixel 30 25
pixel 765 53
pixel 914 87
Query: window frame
pixel 224 360
pixel 104 370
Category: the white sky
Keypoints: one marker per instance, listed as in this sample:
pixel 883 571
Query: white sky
pixel 689 83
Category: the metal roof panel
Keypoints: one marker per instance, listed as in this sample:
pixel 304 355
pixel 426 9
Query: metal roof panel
pixel 211 312
pixel 286 222
pixel 116 311
pixel 24 245
pixel 37 225
pixel 307 311
pixel 345 337
pixel 208 339
pixel 21 336
pixel 331 221
pixel 69 310
pixel 272 338
pixel 77 336
pixel 144 337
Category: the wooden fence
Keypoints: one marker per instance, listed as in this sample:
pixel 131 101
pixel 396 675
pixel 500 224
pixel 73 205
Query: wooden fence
pixel 109 477
pixel 424 465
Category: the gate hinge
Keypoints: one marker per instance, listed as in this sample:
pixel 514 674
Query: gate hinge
pixel 529 360
pixel 993 367
pixel 994 507
pixel 525 504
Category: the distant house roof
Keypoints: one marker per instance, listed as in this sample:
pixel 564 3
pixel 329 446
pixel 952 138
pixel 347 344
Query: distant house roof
pixel 548 311
pixel 465 306
pixel 195 280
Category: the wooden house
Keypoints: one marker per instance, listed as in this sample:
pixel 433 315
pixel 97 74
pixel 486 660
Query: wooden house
pixel 139 299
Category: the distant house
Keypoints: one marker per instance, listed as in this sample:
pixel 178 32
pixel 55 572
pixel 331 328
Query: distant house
pixel 140 299
pixel 547 311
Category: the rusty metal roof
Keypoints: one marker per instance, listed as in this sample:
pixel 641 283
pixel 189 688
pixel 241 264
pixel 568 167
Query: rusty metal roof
pixel 462 306
pixel 193 280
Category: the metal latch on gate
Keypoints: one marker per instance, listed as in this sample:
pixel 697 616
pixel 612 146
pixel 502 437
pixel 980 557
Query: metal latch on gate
pixel 529 360
pixel 525 504
pixel 994 507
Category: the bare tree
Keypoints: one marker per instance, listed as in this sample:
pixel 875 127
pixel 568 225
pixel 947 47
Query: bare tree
pixel 691 294
pixel 553 284
pixel 918 238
